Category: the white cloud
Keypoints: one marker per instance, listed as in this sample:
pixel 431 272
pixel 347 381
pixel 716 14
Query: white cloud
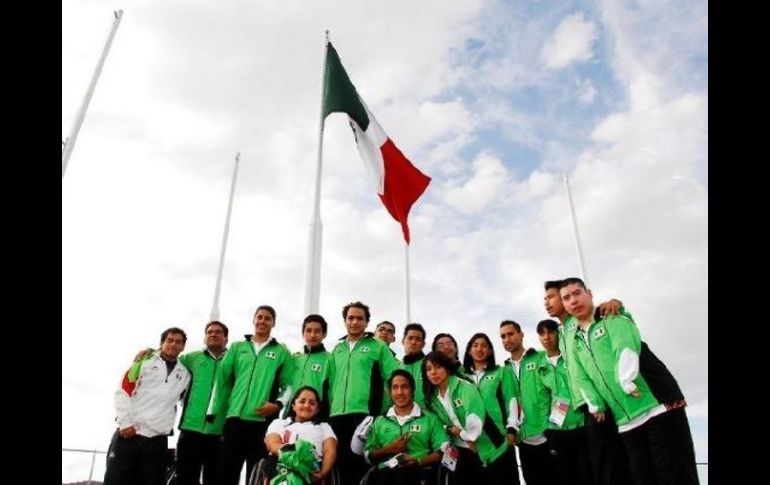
pixel 488 178
pixel 571 42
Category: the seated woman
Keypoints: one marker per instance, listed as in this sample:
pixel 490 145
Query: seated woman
pixel 460 408
pixel 405 439
pixel 302 424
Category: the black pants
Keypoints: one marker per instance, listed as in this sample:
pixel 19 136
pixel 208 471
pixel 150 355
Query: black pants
pixel 569 449
pixel 537 464
pixel 609 462
pixel 241 440
pixel 661 451
pixel 469 467
pixel 351 466
pixel 136 461
pixel 395 476
pixel 196 451
pixel 504 470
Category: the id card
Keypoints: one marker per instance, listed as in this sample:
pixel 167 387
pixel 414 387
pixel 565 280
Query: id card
pixel 559 410
pixel 449 460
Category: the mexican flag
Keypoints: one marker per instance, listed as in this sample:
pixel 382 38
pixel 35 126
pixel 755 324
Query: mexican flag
pixel 399 183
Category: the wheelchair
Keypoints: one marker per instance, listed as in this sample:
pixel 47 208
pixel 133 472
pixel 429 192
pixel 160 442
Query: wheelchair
pixel 170 478
pixel 435 474
pixel 266 470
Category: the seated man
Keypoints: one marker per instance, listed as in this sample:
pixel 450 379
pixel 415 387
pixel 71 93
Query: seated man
pixel 405 439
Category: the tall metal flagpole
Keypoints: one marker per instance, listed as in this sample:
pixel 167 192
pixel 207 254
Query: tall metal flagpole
pixel 215 306
pixel 315 239
pixel 69 144
pixel 578 248
pixel 406 285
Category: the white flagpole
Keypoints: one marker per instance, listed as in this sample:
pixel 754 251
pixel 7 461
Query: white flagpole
pixel 315 239
pixel 578 248
pixel 406 285
pixel 69 144
pixel 215 306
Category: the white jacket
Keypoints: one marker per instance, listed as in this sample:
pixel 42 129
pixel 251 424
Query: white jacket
pixel 147 399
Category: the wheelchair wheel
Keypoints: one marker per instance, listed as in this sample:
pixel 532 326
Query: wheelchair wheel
pixel 259 475
pixel 171 475
pixel 365 478
pixel 444 476
pixel 170 478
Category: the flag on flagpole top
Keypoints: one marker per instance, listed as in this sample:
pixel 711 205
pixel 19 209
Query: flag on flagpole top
pixel 399 183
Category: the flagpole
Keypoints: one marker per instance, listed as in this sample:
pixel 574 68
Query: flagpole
pixel 69 144
pixel 578 248
pixel 406 285
pixel 218 287
pixel 315 239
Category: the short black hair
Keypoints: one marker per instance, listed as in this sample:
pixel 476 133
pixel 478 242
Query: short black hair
pixel 511 322
pixel 547 324
pixel 403 373
pixel 173 330
pixel 225 330
pixel 313 317
pixel 356 304
pixel 552 284
pixel 414 326
pixel 268 308
pixel 385 322
pixel 572 281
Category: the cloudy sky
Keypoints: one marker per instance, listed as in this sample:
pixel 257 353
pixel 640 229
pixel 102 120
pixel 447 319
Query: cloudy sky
pixel 495 100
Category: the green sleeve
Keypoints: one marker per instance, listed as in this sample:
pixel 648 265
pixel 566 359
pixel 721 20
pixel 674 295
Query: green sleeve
pixel 223 383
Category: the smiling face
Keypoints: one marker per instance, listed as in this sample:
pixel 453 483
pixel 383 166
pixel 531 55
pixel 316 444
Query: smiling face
pixel 215 338
pixel 172 346
pixel 305 406
pixel 401 392
pixel 263 323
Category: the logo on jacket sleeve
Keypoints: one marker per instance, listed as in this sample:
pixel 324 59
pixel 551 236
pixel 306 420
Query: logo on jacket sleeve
pixel 364 349
pixel 415 428
pixel 458 403
pixel 489 378
pixel 531 366
pixel 599 332
pixel 270 354
pixel 315 367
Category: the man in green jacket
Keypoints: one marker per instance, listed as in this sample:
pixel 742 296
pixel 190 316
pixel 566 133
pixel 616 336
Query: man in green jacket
pixel 414 342
pixel 608 459
pixel 607 351
pixel 536 460
pixel 312 365
pixel 253 383
pixel 361 365
pixel 199 438
pixel 406 438
pixel 566 432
